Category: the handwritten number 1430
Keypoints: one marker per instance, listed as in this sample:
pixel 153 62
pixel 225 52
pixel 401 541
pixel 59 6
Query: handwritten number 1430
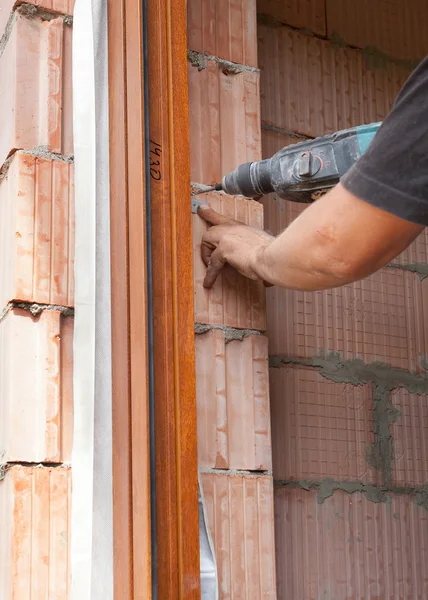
pixel 155 156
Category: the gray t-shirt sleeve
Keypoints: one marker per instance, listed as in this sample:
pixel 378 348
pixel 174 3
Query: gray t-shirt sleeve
pixel 393 173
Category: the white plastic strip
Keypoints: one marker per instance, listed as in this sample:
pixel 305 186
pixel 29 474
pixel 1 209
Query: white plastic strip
pixel 102 533
pixel 84 329
pixel 209 578
pixel 91 526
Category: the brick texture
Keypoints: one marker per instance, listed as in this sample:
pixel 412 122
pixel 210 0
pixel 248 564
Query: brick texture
pixel 36 346
pixel 35 65
pixel 37 232
pixel 34 544
pixel 345 546
pixel 231 376
pixel 349 547
pixel 54 6
pixel 36 409
pixel 224 112
pixel 389 27
pixel 233 402
pixel 224 28
pixel 233 300
pixel 306 14
pixel 312 87
pixel 240 514
pixel 320 428
pixel 410 439
pixel 380 318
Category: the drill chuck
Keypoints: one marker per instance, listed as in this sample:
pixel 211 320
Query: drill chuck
pixel 252 179
pixel 301 171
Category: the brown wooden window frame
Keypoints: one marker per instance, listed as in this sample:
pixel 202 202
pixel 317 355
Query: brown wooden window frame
pixel 177 535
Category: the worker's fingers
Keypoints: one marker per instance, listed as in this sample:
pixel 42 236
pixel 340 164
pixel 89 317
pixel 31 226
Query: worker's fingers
pixel 214 218
pixel 210 241
pixel 214 267
pixel 206 251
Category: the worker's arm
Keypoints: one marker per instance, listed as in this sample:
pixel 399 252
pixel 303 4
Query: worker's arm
pixel 336 240
pixel 376 211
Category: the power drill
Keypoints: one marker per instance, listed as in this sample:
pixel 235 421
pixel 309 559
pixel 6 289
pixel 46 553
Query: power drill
pixel 303 171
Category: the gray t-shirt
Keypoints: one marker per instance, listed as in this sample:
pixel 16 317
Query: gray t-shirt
pixel 393 173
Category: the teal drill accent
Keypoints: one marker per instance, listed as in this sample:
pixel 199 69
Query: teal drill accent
pixel 365 134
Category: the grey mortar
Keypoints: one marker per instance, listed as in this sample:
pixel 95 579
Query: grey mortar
pixel 43 152
pixel 380 454
pixel 289 132
pixel 30 11
pixel 421 269
pixel 326 488
pixel 236 472
pixel 3 470
pixel 230 333
pixel 35 309
pixel 200 61
pixel 8 30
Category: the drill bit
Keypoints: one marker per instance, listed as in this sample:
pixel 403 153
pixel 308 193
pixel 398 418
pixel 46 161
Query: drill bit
pixel 203 189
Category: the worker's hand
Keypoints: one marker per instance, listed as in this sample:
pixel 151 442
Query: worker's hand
pixel 232 242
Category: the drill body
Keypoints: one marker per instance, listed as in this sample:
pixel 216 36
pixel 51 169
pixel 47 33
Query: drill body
pixel 302 171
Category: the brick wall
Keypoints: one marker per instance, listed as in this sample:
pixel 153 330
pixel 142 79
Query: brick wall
pixel 348 382
pixel 234 443
pixel 36 298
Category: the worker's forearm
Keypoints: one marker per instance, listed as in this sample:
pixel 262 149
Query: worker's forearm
pixel 336 240
pixel 299 264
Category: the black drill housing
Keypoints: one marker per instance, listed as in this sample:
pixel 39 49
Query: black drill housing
pixel 298 172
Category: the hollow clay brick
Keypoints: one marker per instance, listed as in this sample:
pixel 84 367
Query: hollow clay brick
pixel 233 402
pixel 350 547
pixel 380 318
pixel 410 439
pixel 54 6
pixel 34 542
pixel 37 232
pixel 35 64
pixel 36 383
pixel 240 516
pixel 311 87
pixel 224 28
pixel 319 428
pixel 390 27
pixel 224 113
pixel 303 14
pixel 233 300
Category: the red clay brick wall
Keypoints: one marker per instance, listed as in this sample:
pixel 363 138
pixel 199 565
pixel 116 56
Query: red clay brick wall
pixel 231 350
pixel 350 457
pixel 36 298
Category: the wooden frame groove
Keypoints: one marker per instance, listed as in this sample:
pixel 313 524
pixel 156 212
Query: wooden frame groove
pixel 131 466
